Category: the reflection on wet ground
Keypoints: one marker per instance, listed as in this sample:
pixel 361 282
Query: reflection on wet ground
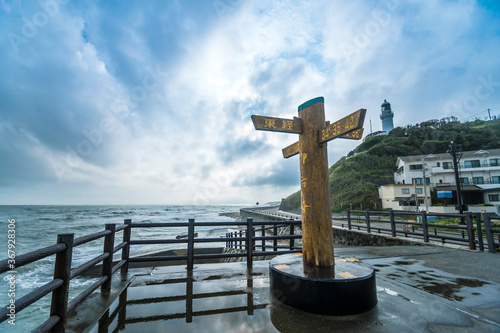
pixel 413 296
pixel 416 274
pixel 190 302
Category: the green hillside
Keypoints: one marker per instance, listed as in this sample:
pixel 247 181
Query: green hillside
pixel 355 177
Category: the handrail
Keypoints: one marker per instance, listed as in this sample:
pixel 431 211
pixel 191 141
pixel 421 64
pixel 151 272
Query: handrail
pixel 31 298
pixel 33 256
pixel 468 230
pixel 91 237
pixel 91 263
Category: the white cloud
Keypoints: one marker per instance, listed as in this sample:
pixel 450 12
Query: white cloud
pixel 179 86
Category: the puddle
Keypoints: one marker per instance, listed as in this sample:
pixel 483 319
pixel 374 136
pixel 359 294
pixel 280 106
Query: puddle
pixel 405 263
pixel 415 274
pixel 451 289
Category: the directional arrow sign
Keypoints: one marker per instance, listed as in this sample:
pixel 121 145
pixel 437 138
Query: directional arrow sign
pixel 354 135
pixel 293 149
pixel 277 124
pixel 343 126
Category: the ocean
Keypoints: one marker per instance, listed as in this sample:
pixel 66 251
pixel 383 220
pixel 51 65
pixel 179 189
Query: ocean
pixel 38 226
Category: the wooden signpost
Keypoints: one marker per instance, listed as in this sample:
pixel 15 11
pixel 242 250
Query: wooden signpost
pixel 314 133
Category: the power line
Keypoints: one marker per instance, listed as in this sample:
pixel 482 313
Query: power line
pixel 487 110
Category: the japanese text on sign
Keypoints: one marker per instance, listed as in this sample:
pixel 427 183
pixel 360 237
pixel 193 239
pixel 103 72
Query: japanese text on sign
pixel 345 125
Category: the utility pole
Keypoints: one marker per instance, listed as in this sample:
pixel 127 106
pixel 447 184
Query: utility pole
pixel 489 113
pixel 430 156
pixel 416 195
pixel 453 152
pixel 425 187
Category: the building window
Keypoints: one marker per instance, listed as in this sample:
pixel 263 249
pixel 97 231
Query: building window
pixel 493 197
pixel 495 179
pixel 447 165
pixel 415 166
pixel 477 180
pixel 472 164
pixel 421 180
pixel 438 164
pixel 405 191
pixel 419 191
pixel 464 181
pixel 495 162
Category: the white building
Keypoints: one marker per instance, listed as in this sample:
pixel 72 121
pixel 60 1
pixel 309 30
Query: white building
pixel 479 173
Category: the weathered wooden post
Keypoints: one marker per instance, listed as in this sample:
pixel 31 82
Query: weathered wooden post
pixel 62 270
pixel 126 250
pixel 314 133
pixel 317 237
pixel 311 281
pixel 107 263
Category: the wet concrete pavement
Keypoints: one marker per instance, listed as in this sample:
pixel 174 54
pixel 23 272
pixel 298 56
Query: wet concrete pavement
pixel 419 289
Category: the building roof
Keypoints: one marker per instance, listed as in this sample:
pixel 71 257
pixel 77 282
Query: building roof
pixel 464 188
pixel 489 187
pixel 445 156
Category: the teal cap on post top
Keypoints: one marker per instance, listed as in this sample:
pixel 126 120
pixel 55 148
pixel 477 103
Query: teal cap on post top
pixel 311 102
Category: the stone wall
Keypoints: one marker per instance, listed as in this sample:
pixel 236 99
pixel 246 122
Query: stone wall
pixel 348 237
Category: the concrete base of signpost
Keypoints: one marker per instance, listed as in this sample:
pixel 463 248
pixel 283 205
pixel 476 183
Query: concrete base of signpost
pixel 347 288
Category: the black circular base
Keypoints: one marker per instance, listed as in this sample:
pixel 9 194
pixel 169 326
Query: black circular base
pixel 347 288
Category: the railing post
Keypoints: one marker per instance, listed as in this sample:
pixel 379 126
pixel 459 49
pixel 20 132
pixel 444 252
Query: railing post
pixel 479 229
pixel 190 245
pixel 263 234
pixel 241 240
pixel 249 241
pixel 393 224
pixel 292 241
pixel 367 218
pixel 253 240
pixel 275 241
pixel 425 230
pixel 348 218
pixel 107 264
pixel 126 250
pixel 62 270
pixel 470 231
pixel 489 233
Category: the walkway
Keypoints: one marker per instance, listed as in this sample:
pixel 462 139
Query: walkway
pixel 420 289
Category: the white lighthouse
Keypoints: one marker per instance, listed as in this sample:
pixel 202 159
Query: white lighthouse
pixel 386 116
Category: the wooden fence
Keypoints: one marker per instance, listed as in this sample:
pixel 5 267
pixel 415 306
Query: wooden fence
pixel 472 233
pixel 251 240
pixel 64 272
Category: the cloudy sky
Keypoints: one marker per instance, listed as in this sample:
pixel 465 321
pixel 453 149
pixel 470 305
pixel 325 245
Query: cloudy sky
pixel 149 102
